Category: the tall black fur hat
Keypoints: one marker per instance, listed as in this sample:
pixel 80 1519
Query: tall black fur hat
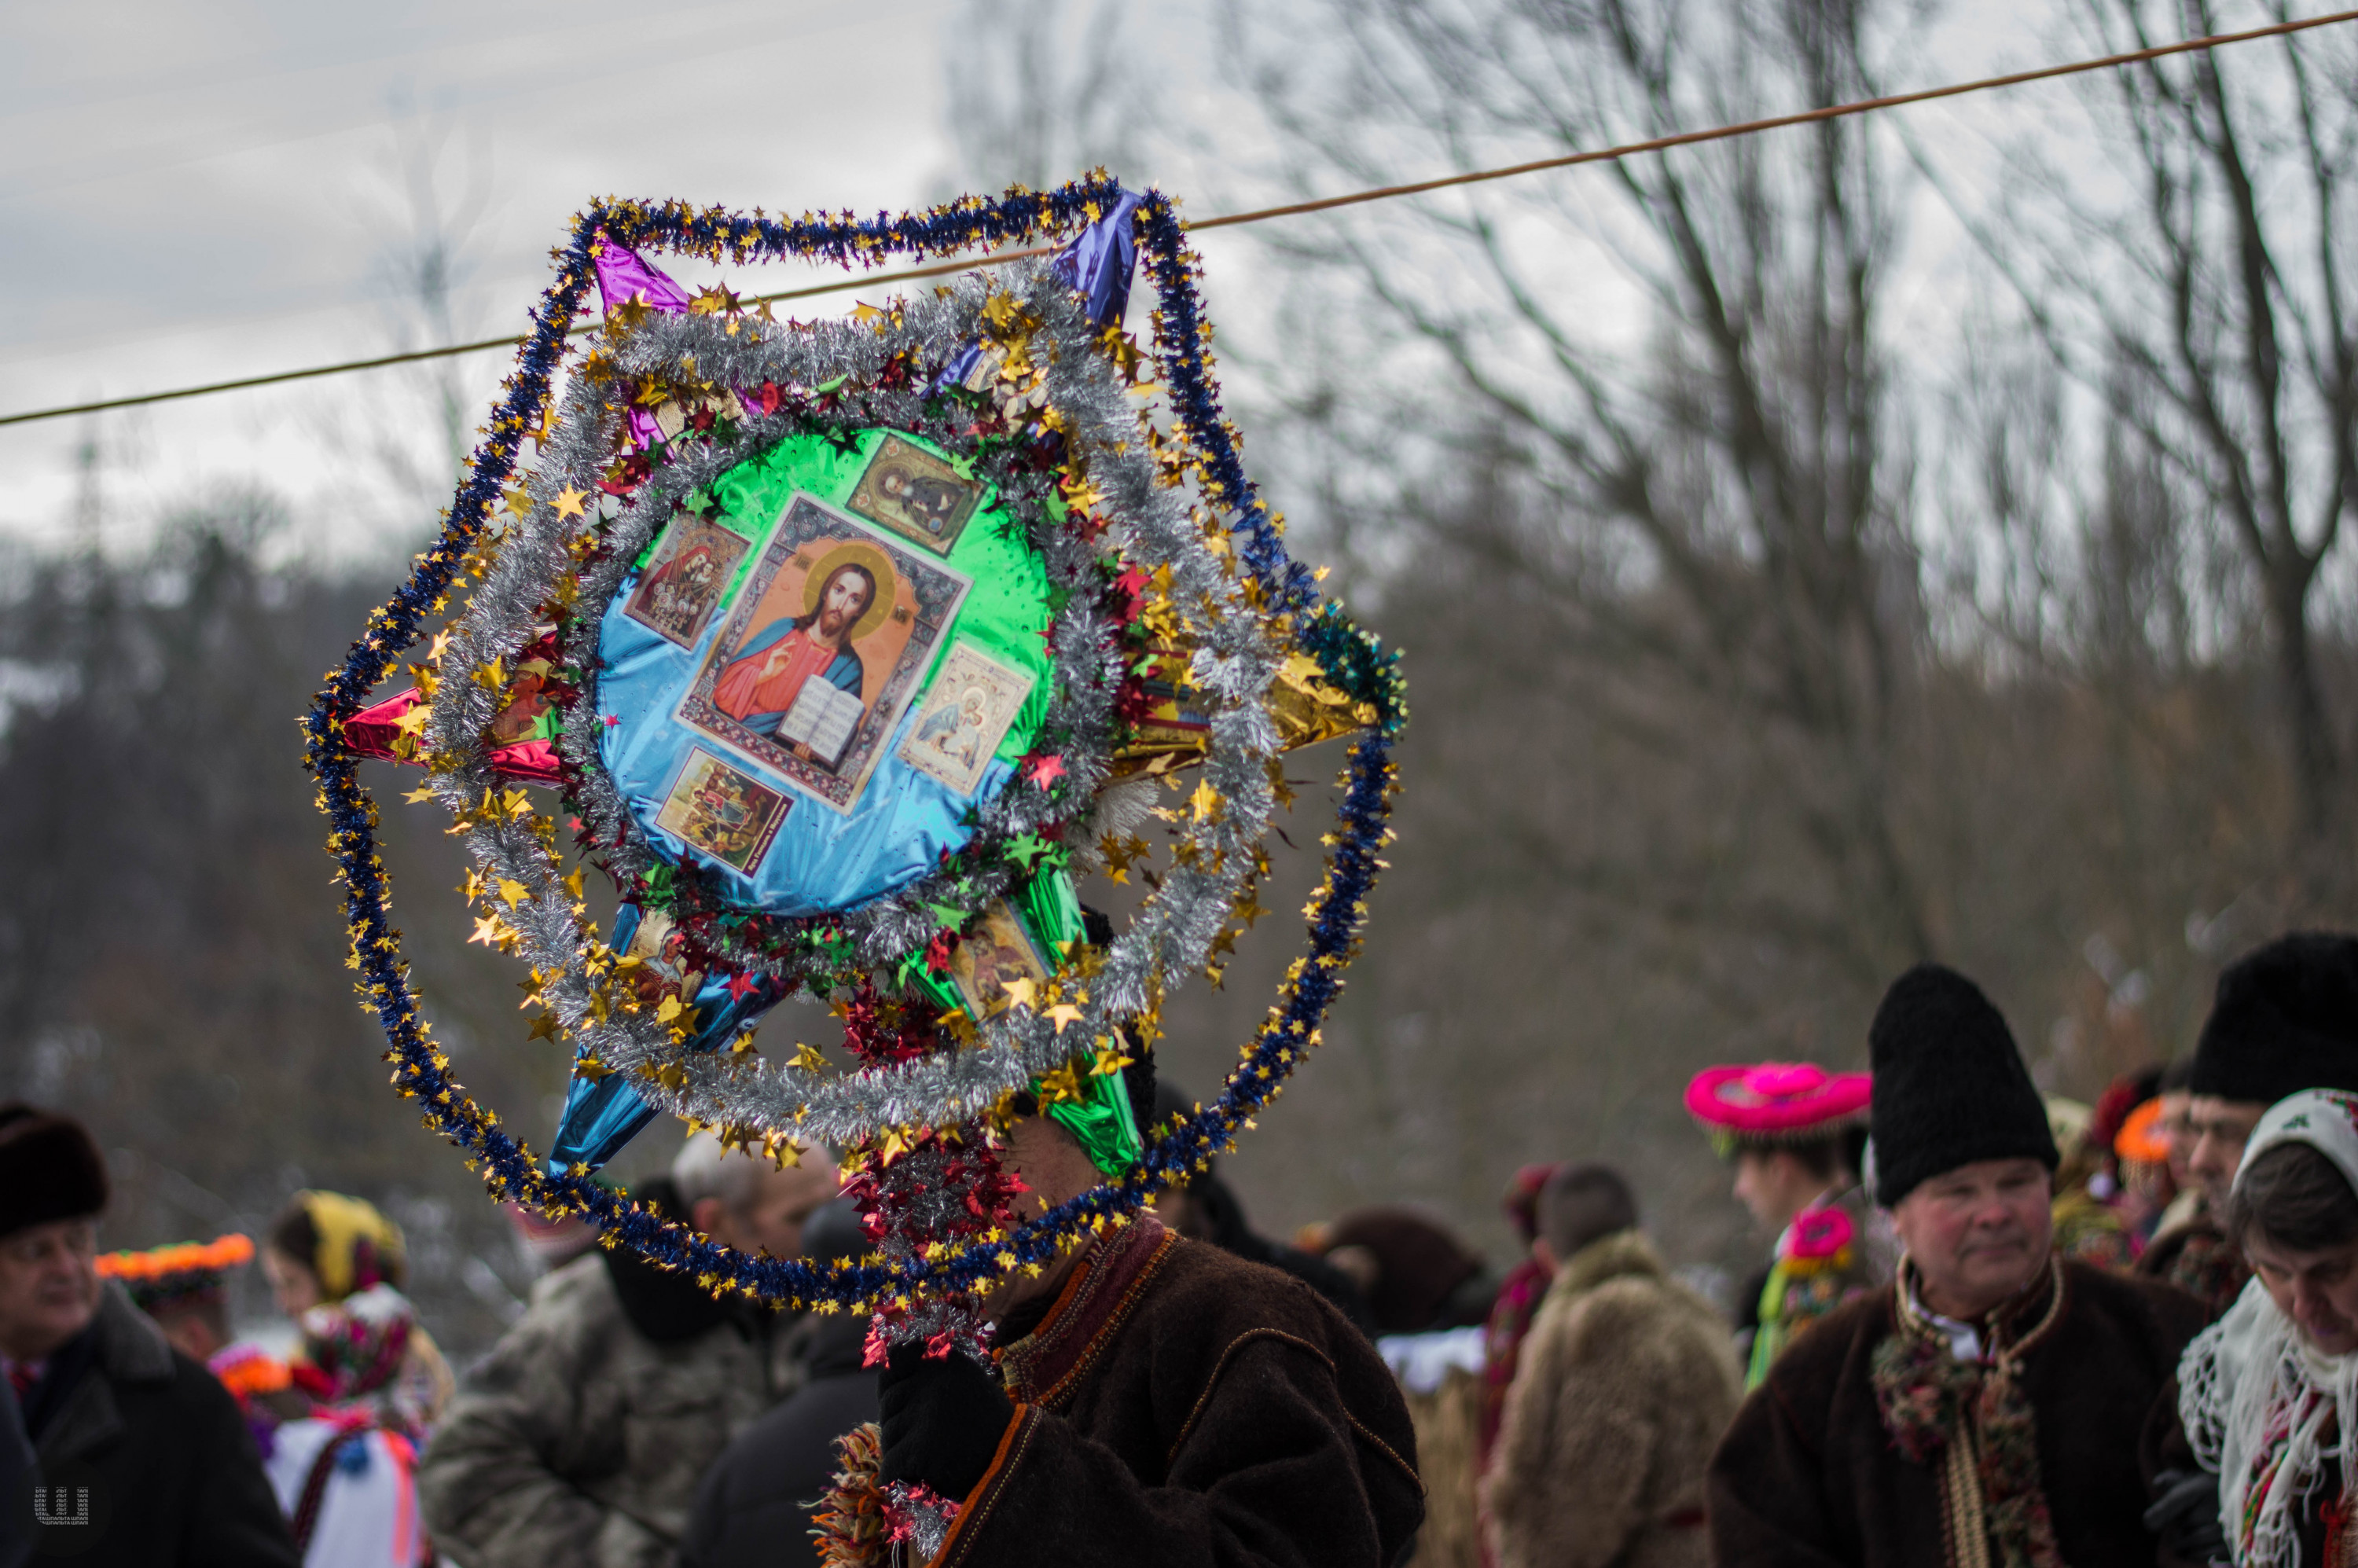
pixel 1950 1087
pixel 50 1168
pixel 2285 1019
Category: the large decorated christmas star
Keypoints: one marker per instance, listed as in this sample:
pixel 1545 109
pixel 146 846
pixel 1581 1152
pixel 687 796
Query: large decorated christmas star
pixel 847 646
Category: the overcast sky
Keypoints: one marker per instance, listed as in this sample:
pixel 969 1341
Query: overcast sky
pixel 203 190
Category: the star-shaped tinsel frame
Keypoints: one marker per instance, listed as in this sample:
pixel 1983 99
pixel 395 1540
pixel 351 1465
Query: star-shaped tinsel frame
pixel 1281 592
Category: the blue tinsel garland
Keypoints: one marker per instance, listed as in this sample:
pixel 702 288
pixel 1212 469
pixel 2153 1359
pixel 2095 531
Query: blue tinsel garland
pixel 1351 659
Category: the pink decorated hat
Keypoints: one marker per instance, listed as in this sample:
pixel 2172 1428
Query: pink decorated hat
pixel 1776 1102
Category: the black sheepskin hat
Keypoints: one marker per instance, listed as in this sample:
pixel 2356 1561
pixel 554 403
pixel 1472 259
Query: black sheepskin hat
pixel 1950 1087
pixel 2284 1019
pixel 50 1168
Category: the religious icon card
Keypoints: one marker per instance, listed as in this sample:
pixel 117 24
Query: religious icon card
pixel 821 649
pixel 722 811
pixel 963 718
pixel 692 566
pixel 916 495
pixel 663 968
pixel 996 953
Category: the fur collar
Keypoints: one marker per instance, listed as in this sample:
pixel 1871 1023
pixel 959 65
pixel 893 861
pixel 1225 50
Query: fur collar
pixel 1614 1257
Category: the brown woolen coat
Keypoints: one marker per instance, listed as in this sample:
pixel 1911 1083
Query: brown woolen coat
pixel 1624 1384
pixel 1808 1477
pixel 1181 1408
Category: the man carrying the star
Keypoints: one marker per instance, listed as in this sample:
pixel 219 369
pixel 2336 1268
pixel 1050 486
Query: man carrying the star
pixel 758 687
pixel 1153 1401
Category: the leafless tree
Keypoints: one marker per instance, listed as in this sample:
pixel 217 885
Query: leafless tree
pixel 1741 476
pixel 171 955
pixel 2223 281
pixel 1043 91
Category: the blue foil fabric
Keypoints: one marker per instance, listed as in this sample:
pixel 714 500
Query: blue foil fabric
pixel 905 819
pixel 601 1117
pixel 897 830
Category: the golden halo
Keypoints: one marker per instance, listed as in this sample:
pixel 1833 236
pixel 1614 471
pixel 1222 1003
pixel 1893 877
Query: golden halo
pixel 879 565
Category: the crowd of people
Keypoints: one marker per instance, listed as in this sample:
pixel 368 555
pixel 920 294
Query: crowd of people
pixel 1993 1328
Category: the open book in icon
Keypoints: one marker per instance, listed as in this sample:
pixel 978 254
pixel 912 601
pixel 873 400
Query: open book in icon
pixel 822 719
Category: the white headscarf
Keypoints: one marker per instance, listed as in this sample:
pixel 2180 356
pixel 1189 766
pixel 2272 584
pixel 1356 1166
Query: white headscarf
pixel 2255 1397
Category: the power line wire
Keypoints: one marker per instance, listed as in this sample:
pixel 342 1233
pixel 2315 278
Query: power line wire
pixel 1296 209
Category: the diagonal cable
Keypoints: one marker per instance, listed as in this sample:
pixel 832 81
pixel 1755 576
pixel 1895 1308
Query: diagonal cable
pixel 1292 209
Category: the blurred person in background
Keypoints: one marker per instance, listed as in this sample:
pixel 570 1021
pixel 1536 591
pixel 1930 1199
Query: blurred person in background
pixel 336 1266
pixel 549 1243
pixel 184 1288
pixel 1417 1276
pixel 1429 1296
pixel 2126 1096
pixel 1205 1209
pixel 1627 1381
pixel 1987 1405
pixel 1794 1132
pixel 1517 1304
pixel 143 1459
pixel 2141 1166
pixel 345 1466
pixel 2284 1018
pixel 759 1494
pixel 582 1439
pixel 2087 1227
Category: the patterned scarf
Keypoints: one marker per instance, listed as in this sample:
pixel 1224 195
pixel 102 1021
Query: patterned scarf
pixel 1974 1419
pixel 2260 1403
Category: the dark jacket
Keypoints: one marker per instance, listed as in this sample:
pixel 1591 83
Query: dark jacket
pixel 2198 1259
pixel 759 1495
pixel 1807 1475
pixel 15 1476
pixel 1228 1229
pixel 1181 1406
pixel 153 1449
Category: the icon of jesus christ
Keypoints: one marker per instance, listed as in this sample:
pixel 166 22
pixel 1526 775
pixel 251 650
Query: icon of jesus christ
pixel 758 687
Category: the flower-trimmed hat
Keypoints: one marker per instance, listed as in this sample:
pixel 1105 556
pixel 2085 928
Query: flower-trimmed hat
pixel 1771 1104
pixel 2140 1138
pixel 164 1280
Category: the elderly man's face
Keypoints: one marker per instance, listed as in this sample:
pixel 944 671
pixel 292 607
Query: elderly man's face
pixel 1978 1233
pixel 48 1286
pixel 2220 1128
pixel 773 1222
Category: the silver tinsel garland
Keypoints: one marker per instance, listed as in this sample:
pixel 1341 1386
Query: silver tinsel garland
pixel 1235 660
